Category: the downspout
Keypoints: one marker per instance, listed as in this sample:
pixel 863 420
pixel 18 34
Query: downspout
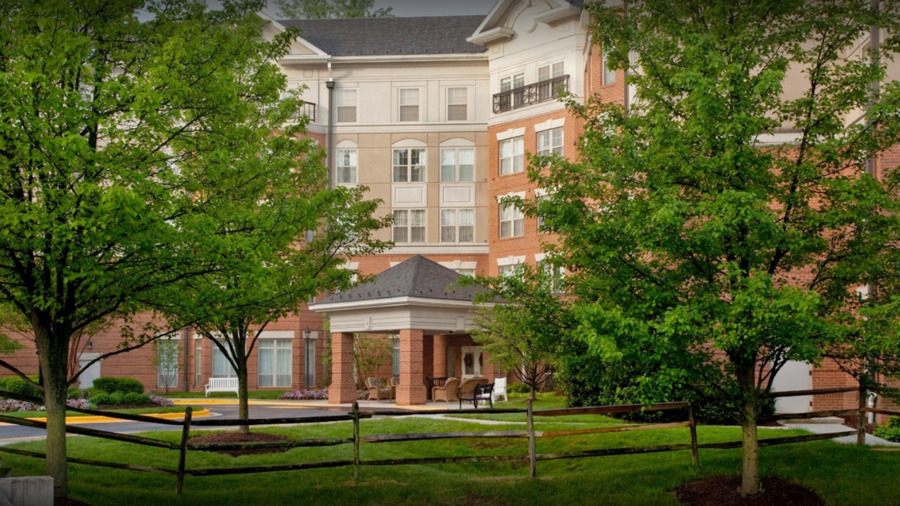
pixel 874 45
pixel 329 139
pixel 625 71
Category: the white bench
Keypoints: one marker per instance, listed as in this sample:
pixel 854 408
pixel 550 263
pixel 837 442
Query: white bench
pixel 222 385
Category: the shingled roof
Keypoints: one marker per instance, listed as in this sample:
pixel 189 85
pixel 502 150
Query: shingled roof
pixel 390 36
pixel 416 277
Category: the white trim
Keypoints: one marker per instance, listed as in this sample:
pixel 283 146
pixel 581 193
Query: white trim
pixel 539 257
pixel 492 35
pixel 277 334
pixel 540 192
pixel 458 142
pixel 550 124
pixel 409 143
pixel 324 58
pixel 350 265
pixel 521 195
pixel 558 14
pixel 346 144
pixel 511 260
pixel 459 264
pixel 440 249
pixel 394 302
pixel 509 134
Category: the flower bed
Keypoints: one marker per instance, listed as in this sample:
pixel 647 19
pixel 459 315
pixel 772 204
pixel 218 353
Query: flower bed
pixel 317 395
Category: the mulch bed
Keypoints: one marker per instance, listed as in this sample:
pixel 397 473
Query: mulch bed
pixel 237 437
pixel 723 491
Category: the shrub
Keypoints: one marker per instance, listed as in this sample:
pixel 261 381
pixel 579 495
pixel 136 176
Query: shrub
pixel 119 398
pixel 890 430
pixel 114 384
pixel 17 385
pixel 77 393
pixel 518 388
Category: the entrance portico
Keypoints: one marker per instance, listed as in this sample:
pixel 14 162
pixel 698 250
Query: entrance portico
pixel 420 301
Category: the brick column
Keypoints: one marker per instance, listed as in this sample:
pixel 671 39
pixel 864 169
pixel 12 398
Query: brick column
pixel 412 378
pixel 343 388
pixel 440 356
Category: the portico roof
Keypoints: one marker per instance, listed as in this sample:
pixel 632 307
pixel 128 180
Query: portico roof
pixel 415 294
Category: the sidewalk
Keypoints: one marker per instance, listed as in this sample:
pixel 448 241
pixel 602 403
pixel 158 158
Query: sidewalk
pixel 828 428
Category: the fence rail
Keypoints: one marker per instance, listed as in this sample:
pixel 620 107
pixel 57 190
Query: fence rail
pixel 355 416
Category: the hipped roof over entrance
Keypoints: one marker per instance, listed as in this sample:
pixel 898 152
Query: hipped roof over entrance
pixel 415 294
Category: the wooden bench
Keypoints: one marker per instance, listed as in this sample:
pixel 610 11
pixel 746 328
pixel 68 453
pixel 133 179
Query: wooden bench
pixel 222 385
pixel 481 393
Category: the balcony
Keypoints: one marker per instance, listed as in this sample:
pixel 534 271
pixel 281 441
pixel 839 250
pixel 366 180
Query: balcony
pixel 542 91
pixel 308 109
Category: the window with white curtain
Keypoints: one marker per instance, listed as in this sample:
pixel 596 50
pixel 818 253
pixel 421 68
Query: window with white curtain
pixel 457 225
pixel 512 221
pixel 550 142
pixel 409 225
pixel 512 155
pixel 221 367
pixel 198 362
pixel 457 106
pixel 409 104
pixel 609 75
pixel 346 166
pixel 457 164
pixel 275 362
pixel 409 165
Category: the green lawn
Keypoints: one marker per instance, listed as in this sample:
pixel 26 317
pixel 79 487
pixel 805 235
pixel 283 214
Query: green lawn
pixel 130 411
pixel 843 475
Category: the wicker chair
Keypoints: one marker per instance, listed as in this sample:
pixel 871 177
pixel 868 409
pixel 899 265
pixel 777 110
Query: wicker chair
pixel 377 389
pixel 446 393
pixel 467 387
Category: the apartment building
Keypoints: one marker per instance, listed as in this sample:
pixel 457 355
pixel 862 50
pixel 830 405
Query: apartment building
pixel 435 116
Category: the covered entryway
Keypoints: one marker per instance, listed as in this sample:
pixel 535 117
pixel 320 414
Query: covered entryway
pixel 418 300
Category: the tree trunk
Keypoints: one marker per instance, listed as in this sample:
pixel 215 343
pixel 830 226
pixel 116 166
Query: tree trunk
pixel 533 391
pixel 243 401
pixel 750 444
pixel 53 359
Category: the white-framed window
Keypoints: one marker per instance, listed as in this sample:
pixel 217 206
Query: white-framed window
pixel 512 155
pixel 221 367
pixel 466 272
pixel 409 226
pixel 550 142
pixel 457 225
pixel 409 165
pixel 346 166
pixel 395 355
pixel 512 82
pixel 555 275
pixel 609 75
pixel 345 101
pixel 167 363
pixel 545 72
pixel 198 361
pixel 457 104
pixel 457 164
pixel 509 270
pixel 275 362
pixel 512 221
pixel 409 104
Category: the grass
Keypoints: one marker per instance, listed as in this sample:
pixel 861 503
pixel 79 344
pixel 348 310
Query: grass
pixel 835 471
pixel 252 394
pixel 130 411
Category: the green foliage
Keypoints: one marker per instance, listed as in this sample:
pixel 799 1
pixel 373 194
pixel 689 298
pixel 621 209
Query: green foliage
pixel 77 393
pixel 890 430
pixel 114 384
pixel 518 388
pixel 370 353
pixel 118 398
pixel 704 251
pixel 17 385
pixel 320 9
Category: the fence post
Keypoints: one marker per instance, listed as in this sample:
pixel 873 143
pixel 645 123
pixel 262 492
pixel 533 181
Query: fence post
pixel 532 458
pixel 695 452
pixel 355 441
pixel 861 423
pixel 182 452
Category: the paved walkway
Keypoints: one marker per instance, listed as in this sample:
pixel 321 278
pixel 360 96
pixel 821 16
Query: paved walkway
pixel 828 428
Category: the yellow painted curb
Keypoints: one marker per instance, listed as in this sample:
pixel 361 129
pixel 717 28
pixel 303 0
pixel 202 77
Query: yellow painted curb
pixel 106 419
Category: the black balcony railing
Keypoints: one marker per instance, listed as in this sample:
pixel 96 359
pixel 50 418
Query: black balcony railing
pixel 309 110
pixel 542 91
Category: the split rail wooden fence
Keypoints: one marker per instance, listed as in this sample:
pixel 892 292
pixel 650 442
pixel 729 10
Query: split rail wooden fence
pixel 355 439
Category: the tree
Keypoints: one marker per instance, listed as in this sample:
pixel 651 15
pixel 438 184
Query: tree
pixel 370 352
pixel 330 9
pixel 165 361
pixel 525 333
pixel 110 128
pixel 701 241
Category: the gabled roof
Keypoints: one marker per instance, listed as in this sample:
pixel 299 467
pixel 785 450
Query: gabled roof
pixel 390 36
pixel 417 277
pixel 495 25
